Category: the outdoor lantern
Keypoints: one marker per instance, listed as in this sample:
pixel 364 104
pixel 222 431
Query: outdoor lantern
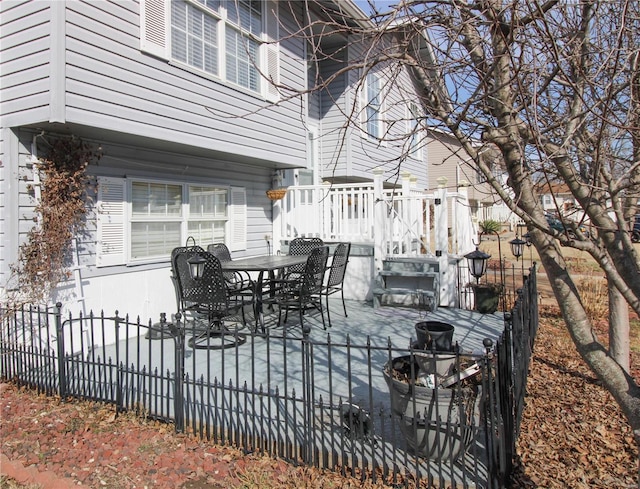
pixel 517 247
pixel 477 263
pixel 196 266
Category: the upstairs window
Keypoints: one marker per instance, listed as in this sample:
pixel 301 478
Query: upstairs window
pixel 194 36
pixel 414 128
pixel 373 107
pixel 233 40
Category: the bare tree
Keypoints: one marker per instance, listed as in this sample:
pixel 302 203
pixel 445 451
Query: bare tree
pixel 549 91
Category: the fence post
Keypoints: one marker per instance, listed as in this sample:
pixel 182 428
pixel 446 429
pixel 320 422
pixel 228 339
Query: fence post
pixel 491 417
pixel 62 373
pixel 178 395
pixel 307 396
pixel 122 372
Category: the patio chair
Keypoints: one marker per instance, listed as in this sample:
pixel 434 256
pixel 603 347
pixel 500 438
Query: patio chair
pixel 208 298
pixel 302 246
pixel 302 292
pixel 239 283
pixel 336 273
pixel 190 251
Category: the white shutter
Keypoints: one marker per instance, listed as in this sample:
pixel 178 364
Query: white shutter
pixel 238 218
pixel 111 235
pixel 272 51
pixel 154 27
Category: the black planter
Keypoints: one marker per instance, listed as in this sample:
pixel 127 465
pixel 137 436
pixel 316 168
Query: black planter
pixel 487 298
pixel 434 335
pixel 437 423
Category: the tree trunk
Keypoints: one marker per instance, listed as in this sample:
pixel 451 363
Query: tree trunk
pixel 613 376
pixel 619 328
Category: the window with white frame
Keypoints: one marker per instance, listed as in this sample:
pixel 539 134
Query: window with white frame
pixel 232 40
pixel 414 117
pixel 159 216
pixel 373 107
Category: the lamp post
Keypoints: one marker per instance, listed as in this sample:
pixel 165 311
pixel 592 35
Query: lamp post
pixel 517 247
pixel 477 261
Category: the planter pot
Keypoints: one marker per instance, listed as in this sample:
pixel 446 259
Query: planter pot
pixel 434 335
pixel 442 364
pixel 437 423
pixel 487 299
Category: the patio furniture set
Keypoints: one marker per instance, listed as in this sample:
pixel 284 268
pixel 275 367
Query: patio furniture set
pixel 211 287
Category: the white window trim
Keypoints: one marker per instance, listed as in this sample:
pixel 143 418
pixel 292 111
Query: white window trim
pixel 413 124
pixel 364 103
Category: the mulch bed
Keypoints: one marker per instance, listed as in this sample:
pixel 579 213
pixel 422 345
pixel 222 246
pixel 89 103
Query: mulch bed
pixel 573 435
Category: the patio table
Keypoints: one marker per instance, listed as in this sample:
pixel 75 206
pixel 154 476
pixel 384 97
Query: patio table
pixel 261 264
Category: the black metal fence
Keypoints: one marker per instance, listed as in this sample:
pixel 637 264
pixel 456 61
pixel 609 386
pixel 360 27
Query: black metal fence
pixel 403 415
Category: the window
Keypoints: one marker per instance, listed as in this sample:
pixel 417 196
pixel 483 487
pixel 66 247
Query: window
pixel 373 107
pixel 414 149
pixel 160 216
pixel 194 37
pixel 232 40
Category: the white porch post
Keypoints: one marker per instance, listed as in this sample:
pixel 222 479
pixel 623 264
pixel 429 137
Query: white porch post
pixel 447 280
pixel 417 206
pixel 327 218
pixel 406 213
pixel 379 211
pixel 464 225
pixel 276 228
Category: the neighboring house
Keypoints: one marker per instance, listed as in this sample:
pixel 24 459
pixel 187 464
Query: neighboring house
pixel 557 199
pixel 191 134
pixel 448 160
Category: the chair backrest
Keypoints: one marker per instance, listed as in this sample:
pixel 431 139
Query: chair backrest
pixel 339 264
pixel 189 251
pixel 220 251
pixel 314 269
pixel 209 292
pixel 302 246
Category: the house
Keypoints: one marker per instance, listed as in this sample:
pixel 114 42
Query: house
pixel 448 160
pixel 175 98
pixel 557 199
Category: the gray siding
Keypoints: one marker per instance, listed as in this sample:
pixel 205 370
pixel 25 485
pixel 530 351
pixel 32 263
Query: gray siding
pixel 333 150
pixel 24 62
pixel 348 152
pixel 109 84
pixel 447 159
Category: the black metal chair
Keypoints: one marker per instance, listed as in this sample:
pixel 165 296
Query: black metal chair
pixel 239 283
pixel 302 246
pixel 189 251
pixel 336 273
pixel 207 298
pixel 302 292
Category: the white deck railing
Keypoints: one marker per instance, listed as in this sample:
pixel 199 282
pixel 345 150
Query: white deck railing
pixel 398 222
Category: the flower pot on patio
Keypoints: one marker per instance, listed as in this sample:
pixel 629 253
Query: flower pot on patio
pixel 434 335
pixel 487 297
pixel 437 422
